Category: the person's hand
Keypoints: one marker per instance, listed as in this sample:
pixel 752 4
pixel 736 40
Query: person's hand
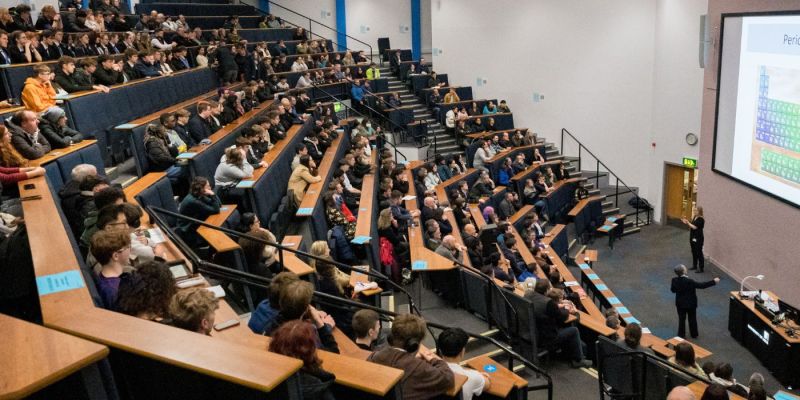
pixel 209 192
pixel 5 104
pixel 316 319
pixel 57 17
pixel 716 280
pixel 426 354
pixel 38 171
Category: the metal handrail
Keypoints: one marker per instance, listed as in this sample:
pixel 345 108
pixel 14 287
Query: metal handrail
pixel 582 147
pixel 310 20
pixel 372 112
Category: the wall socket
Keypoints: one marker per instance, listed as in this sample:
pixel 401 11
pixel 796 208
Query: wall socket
pixel 404 29
pixel 364 28
pixel 537 97
pixel 324 14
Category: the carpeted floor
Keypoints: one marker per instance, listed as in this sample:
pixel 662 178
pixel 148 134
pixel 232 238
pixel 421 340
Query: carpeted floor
pixel 639 270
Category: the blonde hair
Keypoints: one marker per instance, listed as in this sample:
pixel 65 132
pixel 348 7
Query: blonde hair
pixel 189 307
pixel 385 218
pixel 318 249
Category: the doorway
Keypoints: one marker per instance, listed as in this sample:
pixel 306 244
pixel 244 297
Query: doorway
pixel 680 192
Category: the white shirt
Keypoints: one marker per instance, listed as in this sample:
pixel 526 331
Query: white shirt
pixel 450 119
pixel 474 384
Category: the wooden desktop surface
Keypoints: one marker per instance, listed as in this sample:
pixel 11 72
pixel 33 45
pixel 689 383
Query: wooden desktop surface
pixel 751 306
pixel 54 154
pixel 35 357
pixel 316 189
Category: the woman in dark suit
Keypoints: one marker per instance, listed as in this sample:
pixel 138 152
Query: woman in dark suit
pixel 696 237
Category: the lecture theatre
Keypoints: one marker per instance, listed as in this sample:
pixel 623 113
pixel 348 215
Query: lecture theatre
pixel 399 199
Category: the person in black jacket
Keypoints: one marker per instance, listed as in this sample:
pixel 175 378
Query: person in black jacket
pixel 696 237
pixel 227 68
pixel 48 48
pixel 199 126
pixel 66 79
pixel 109 72
pixel 161 153
pixel 53 125
pixel 550 317
pixel 200 203
pixel 686 299
pixel 181 127
pixel 129 66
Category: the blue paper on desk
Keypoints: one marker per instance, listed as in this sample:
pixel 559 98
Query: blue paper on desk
pixel 632 320
pixel 584 266
pixel 305 211
pixel 360 239
pixel 602 287
pixel 606 227
pixel 245 184
pixel 60 282
pixel 623 310
pixel 612 219
pixel 592 276
pixel 419 264
pixel 186 156
pixel 614 300
pixel 783 396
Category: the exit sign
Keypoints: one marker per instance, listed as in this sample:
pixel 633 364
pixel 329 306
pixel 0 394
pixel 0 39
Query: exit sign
pixel 689 162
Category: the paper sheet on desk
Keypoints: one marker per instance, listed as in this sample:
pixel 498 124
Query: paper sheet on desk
pixel 217 290
pixel 156 236
pixel 406 198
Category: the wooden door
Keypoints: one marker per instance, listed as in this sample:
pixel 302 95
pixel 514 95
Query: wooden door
pixel 679 192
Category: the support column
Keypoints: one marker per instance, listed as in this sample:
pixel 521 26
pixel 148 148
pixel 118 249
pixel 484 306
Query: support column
pixel 416 29
pixel 341 24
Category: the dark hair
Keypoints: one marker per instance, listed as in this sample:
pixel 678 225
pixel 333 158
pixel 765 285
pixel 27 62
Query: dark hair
pixel 684 354
pixel 305 160
pixel 363 321
pixel 633 335
pixel 197 186
pixel 724 371
pixel 148 290
pixel 715 391
pixel 451 342
pixel 297 339
pixel 757 392
pixel 91 181
pixel 133 214
pixel 542 286
pixel 108 196
pixel 163 118
pixel 108 214
pixel 408 330
pixel 246 221
pixel 295 299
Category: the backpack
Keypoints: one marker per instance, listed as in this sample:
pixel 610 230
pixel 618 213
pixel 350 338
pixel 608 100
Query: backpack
pixel 640 203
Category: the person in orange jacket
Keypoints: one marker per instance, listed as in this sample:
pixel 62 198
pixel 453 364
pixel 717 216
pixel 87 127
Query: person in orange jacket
pixel 38 94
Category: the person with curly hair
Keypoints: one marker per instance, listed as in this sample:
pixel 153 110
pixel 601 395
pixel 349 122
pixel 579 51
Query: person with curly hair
pixel 147 293
pixel 297 339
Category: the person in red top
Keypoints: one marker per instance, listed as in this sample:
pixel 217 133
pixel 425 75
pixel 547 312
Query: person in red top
pixel 9 176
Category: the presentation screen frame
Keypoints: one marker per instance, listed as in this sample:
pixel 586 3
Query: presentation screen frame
pixel 723 17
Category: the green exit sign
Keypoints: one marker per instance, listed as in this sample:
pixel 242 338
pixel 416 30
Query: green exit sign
pixel 689 162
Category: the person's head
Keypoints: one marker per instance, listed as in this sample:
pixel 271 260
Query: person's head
pixel 470 230
pixel 112 218
pixel 295 299
pixel 366 324
pixel 451 343
pixel 724 371
pixel 297 339
pixel 110 195
pixel 709 367
pixel 111 248
pixel 407 333
pixel 26 120
pixel 680 270
pixel 633 335
pixel 542 286
pixel 167 120
pixel 193 309
pixel 234 156
pixel 199 186
pixel 715 391
pixel 612 321
pixel 697 211
pixel 147 292
pixel 449 242
pixel 681 393
pixel 55 116
pixel 307 162
pixel 684 354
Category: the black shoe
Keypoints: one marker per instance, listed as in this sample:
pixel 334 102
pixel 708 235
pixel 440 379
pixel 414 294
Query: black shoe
pixel 695 336
pixel 580 363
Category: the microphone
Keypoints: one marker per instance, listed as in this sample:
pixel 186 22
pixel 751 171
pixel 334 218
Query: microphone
pixel 742 293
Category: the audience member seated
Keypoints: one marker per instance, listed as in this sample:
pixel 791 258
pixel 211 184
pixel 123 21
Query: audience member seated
pixel 756 387
pixel 53 126
pixel 72 79
pixel 146 66
pixel 633 338
pixel 505 173
pixel 38 93
pixel 231 170
pixel 147 292
pixel 298 339
pixel 13 169
pixel 715 391
pixel 684 358
pixel 482 155
pixel 302 176
pixel 295 304
pixel 267 311
pixel 483 187
pixel 550 317
pixel 537 156
pixel 112 250
pixel 161 153
pixel 509 206
pixel 366 329
pixel 425 374
pixel 199 126
pixel 23 51
pixel 389 229
pixel 200 203
pixel 328 282
pixel 431 211
pixel 335 217
pixel 433 234
pixel 261 257
pixel 110 72
pixel 194 309
pixel 103 197
pixel 451 345
pixel 723 375
pixel 26 137
pixel 450 249
pixel 681 393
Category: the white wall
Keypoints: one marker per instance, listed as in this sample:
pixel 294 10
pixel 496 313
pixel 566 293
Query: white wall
pixel 323 11
pixel 383 17
pixel 617 74
pixel 592 61
pixel 425 22
pixel 678 87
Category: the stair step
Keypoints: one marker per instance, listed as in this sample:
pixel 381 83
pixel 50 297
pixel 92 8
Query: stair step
pixel 556 157
pixel 572 243
pixel 631 230
pixel 606 203
pixel 609 211
pixel 593 192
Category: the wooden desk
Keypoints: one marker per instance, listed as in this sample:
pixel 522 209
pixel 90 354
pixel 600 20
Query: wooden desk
pixel 219 240
pixel 421 255
pixel 35 357
pixel 532 168
pixel 347 347
pixel 582 204
pixel 365 213
pixel 502 380
pixel 522 212
pixel 356 277
pixel 276 151
pixel 230 127
pixel 485 134
pixel 750 305
pixel 54 154
pixel 477 215
pixel 180 106
pixel 315 190
pixel 699 387
pixel 291 262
